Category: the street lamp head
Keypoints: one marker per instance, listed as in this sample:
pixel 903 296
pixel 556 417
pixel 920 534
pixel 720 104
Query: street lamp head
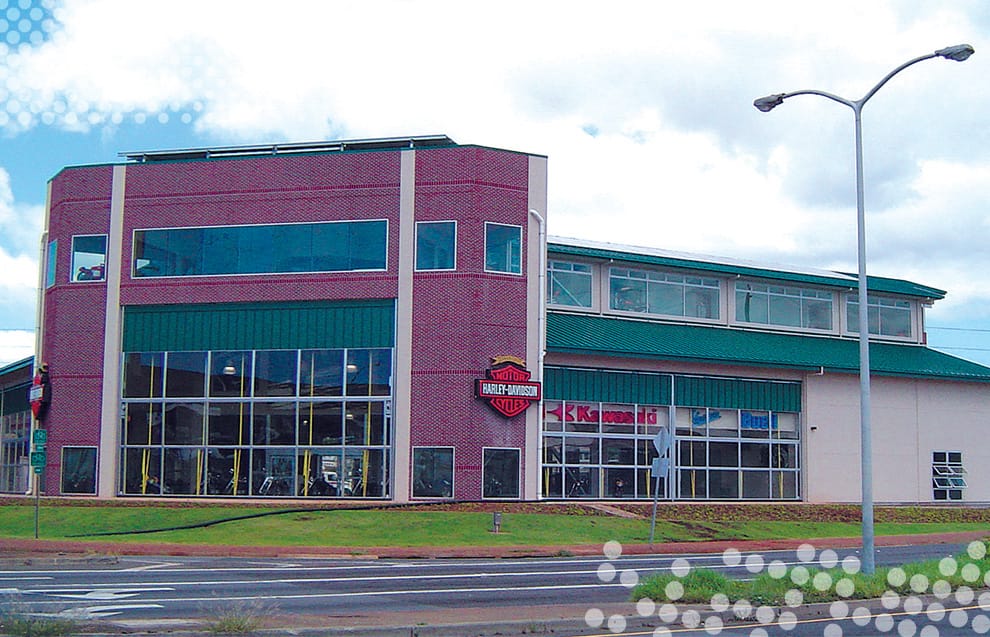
pixel 768 103
pixel 959 53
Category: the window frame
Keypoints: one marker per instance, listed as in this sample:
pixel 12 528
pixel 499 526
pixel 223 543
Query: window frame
pixel 51 263
pixel 519 467
pixel 551 278
pixel 686 282
pixel 874 302
pixel 95 475
pixel 453 472
pixel 75 270
pixel 453 247
pixel 948 481
pixel 270 228
pixel 804 296
pixel 491 270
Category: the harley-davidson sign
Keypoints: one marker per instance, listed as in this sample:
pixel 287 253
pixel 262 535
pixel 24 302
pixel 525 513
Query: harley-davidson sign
pixel 508 388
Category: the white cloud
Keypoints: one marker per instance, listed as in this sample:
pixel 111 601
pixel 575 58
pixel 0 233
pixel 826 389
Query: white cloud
pixel 15 345
pixel 644 108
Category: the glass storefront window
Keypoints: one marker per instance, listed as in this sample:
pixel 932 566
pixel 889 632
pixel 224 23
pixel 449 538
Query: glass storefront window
pixel 500 473
pixel 144 374
pixel 230 374
pixel 322 373
pixel 79 470
pixel 433 472
pixel 276 373
pixel 185 374
pixel 184 423
pixel 553 416
pixel 273 424
pixel 142 423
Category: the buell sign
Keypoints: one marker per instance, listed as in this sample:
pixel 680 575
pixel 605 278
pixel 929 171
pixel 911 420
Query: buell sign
pixel 508 388
pixel 40 394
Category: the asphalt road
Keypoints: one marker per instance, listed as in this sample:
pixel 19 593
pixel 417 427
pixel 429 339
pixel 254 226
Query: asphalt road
pixel 570 596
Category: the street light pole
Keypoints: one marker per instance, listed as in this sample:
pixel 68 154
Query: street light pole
pixel 958 53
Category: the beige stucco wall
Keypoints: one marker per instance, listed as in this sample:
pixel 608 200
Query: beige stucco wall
pixel 910 419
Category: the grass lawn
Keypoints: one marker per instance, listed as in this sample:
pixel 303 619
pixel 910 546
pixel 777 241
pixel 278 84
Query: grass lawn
pixel 411 527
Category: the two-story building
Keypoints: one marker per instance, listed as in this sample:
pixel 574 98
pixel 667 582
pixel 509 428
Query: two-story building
pixel 387 319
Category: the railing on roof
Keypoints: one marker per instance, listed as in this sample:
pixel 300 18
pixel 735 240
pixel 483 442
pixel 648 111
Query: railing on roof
pixel 387 143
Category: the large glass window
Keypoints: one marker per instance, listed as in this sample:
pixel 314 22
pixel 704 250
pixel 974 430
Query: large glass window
pixel 663 293
pixel 89 258
pixel 503 248
pixel 785 306
pixel 737 454
pixel 302 423
pixel 433 472
pixel 570 284
pixel 600 450
pixel 436 245
pixel 303 247
pixel 886 317
pixel 500 473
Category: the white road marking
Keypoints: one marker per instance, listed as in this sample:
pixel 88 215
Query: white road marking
pixel 96 612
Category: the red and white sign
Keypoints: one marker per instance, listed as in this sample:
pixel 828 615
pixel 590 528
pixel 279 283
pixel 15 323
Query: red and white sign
pixel 508 388
pixel 40 395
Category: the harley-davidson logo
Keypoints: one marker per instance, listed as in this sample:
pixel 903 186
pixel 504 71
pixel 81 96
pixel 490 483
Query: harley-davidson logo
pixel 508 389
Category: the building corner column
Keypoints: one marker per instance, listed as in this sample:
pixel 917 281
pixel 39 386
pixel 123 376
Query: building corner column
pixel 109 451
pixel 535 318
pixel 402 375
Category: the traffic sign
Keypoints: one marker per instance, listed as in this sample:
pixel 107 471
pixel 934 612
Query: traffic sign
pixel 661 441
pixel 39 436
pixel 39 459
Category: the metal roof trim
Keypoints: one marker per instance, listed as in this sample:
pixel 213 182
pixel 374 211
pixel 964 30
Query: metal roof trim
pixel 738 267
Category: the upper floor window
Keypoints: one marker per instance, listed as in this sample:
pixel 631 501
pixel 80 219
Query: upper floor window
pixel 569 284
pixel 663 293
pixel 887 317
pixel 786 306
pixel 436 243
pixel 503 248
pixel 89 257
pixel 301 247
pixel 51 260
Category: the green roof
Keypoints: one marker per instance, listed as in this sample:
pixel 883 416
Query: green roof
pixel 597 335
pixel 726 266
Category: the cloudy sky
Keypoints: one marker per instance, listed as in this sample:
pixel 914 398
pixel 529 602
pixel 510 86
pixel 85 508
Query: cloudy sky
pixel 644 109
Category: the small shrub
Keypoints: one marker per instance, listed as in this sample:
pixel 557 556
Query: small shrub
pixel 22 624
pixel 237 619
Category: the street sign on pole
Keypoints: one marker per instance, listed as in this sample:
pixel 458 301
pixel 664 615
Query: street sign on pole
pixel 39 436
pixel 39 459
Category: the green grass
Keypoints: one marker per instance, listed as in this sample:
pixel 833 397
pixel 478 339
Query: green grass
pixel 816 585
pixel 407 527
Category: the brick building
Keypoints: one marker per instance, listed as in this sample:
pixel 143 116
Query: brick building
pixel 387 319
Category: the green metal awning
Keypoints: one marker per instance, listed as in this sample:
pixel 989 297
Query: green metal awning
pixel 597 335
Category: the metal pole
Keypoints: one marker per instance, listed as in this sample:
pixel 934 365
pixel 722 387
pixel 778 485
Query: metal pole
pixel 865 428
pixel 37 501
pixel 957 53
pixel 656 498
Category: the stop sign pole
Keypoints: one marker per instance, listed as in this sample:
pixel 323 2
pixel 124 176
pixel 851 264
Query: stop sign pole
pixel 40 398
pixel 660 467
